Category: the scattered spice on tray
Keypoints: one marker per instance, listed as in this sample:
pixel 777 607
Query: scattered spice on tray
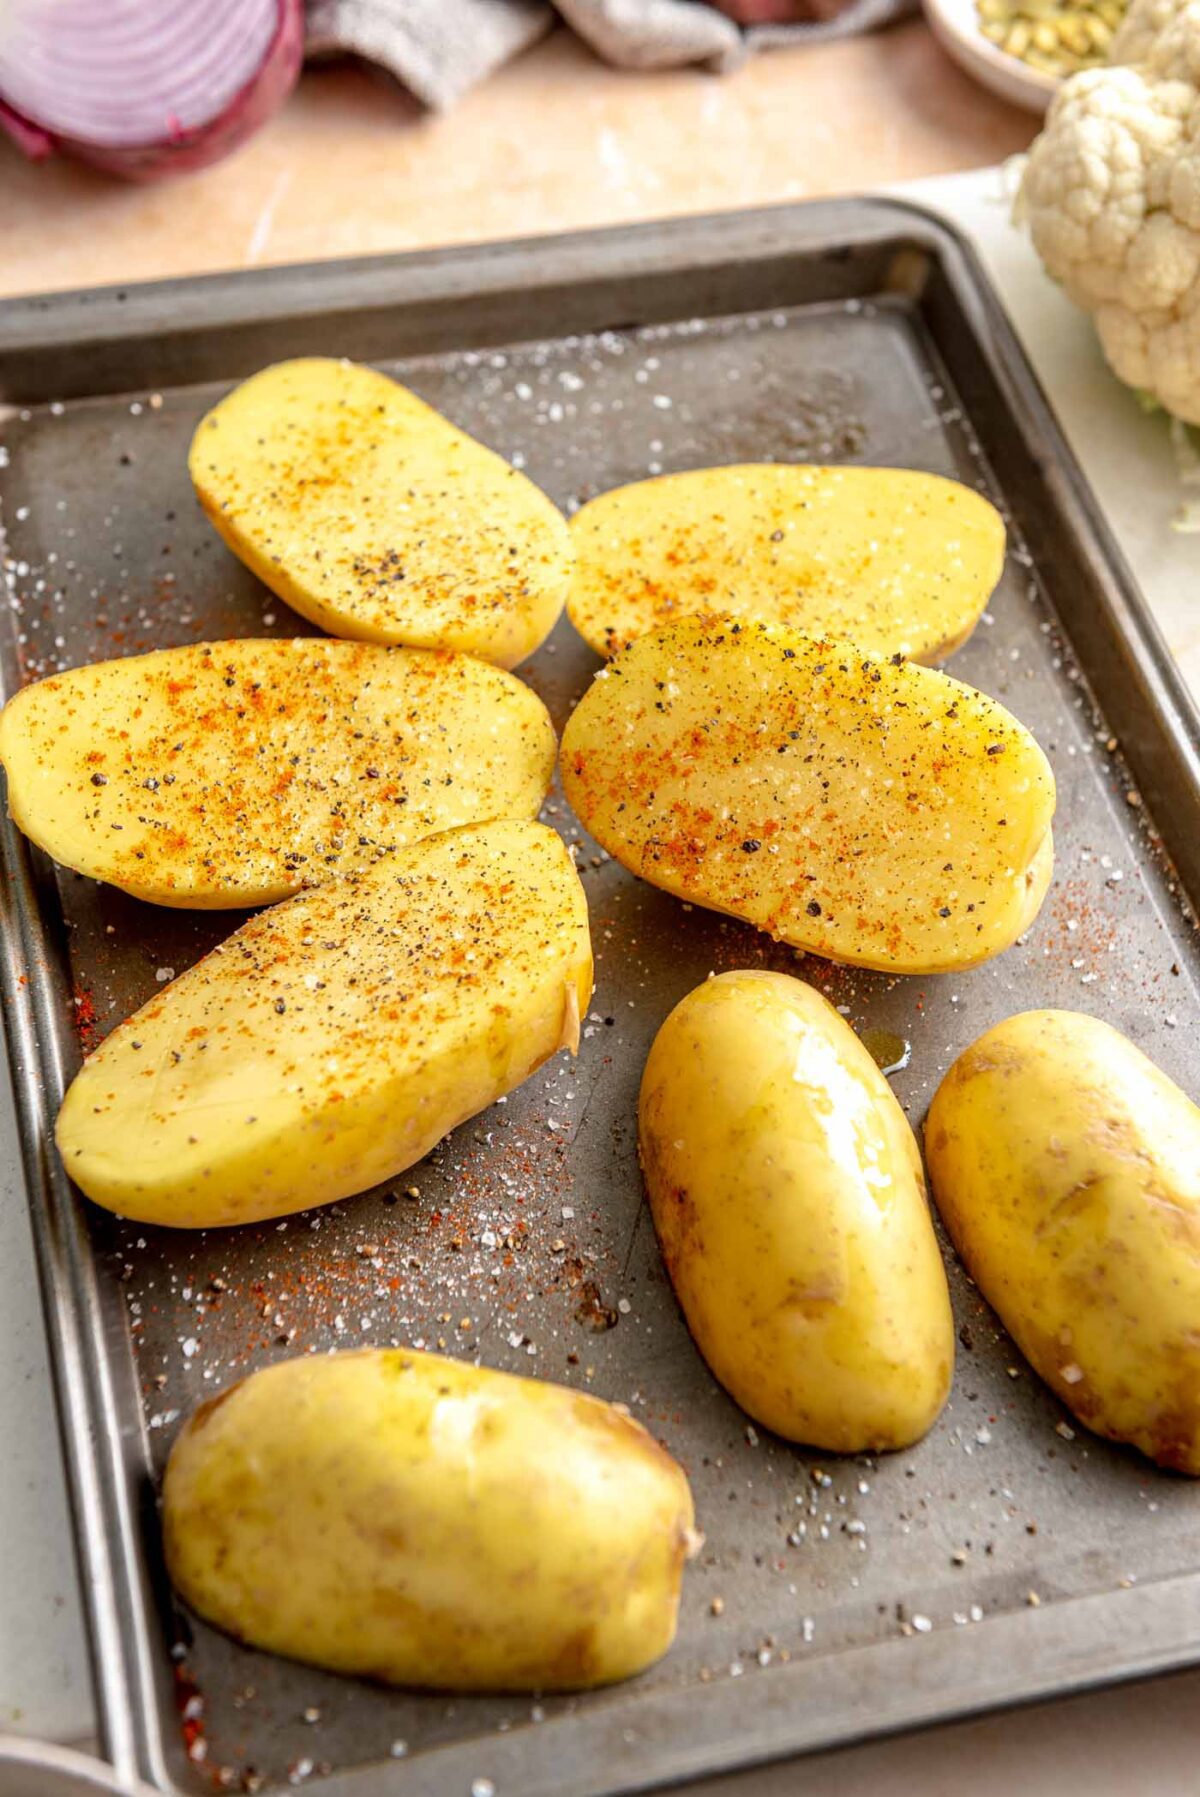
pixel 87 1025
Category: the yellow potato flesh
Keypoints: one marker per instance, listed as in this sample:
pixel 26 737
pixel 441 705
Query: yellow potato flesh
pixel 1067 1168
pixel 879 814
pixel 788 1196
pixel 371 514
pixel 235 773
pixel 402 1516
pixel 894 561
pixel 331 1041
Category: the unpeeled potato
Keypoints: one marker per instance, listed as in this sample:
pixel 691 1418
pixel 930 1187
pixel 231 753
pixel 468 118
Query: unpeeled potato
pixel 1067 1168
pixel 230 774
pixel 331 1041
pixel 892 560
pixel 371 514
pixel 423 1522
pixel 873 812
pixel 789 1201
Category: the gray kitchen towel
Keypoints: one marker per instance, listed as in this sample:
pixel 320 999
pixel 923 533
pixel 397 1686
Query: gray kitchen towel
pixel 437 48
pixel 441 48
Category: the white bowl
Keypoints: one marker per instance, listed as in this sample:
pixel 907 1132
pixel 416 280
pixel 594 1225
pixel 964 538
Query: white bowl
pixel 955 24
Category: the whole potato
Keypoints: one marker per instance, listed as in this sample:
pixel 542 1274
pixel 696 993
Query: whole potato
pixel 423 1522
pixel 788 1196
pixel 1067 1168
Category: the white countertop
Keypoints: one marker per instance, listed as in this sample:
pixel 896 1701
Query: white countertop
pixel 1141 1738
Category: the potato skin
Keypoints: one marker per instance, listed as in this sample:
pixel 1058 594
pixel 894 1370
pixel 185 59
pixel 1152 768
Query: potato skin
pixel 787 1192
pixel 420 1521
pixel 1067 1168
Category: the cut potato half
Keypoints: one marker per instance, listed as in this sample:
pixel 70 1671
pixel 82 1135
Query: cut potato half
pixel 374 516
pixel 236 773
pixel 868 811
pixel 897 562
pixel 331 1041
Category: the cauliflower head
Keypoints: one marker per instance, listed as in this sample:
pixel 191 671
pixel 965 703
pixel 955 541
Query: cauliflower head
pixel 1111 195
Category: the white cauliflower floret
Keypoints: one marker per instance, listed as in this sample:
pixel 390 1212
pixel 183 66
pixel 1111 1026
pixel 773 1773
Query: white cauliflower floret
pixel 1111 194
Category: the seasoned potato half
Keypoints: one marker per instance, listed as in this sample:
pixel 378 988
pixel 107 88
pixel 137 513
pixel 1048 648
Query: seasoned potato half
pixel 1067 1168
pixel 331 1041
pixel 407 1517
pixel 371 514
pixel 236 773
pixel 894 561
pixel 790 1205
pixel 880 814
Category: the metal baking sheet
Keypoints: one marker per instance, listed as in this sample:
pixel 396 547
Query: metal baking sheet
pixel 1010 1554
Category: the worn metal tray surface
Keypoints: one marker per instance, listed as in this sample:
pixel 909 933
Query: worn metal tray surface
pixel 1007 1556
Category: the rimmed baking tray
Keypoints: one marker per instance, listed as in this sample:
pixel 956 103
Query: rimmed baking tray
pixel 1008 1556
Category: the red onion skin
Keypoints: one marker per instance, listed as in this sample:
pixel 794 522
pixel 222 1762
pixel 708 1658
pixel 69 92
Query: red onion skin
pixel 251 107
pixel 31 140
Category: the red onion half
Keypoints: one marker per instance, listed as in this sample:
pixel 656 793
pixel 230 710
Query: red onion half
pixel 145 88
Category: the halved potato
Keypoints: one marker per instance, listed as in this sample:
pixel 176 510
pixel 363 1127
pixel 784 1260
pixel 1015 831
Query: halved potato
pixel 894 561
pixel 236 773
pixel 869 811
pixel 371 514
pixel 331 1041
